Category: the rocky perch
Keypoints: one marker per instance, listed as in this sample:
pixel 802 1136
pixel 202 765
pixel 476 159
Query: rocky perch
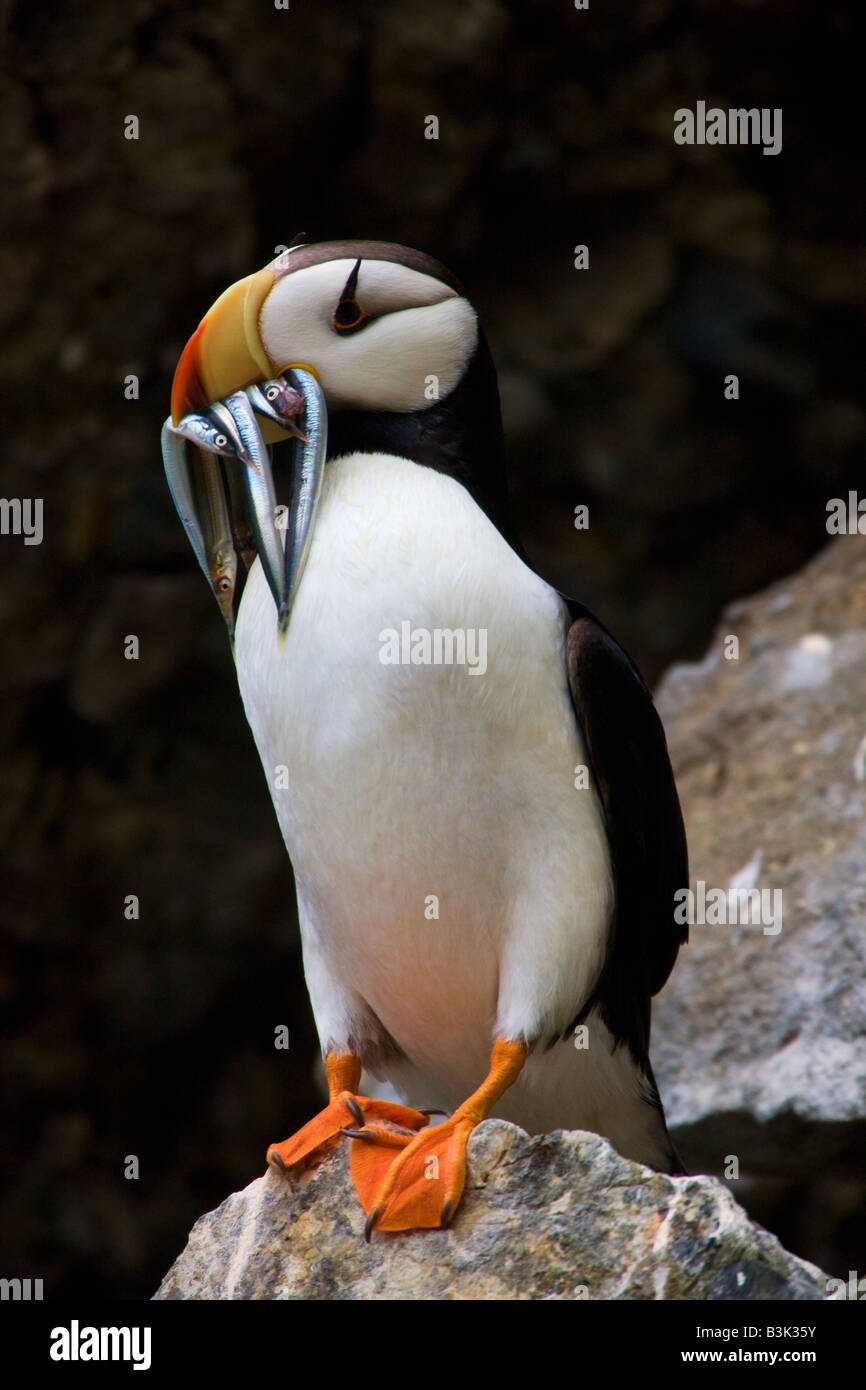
pixel 558 1216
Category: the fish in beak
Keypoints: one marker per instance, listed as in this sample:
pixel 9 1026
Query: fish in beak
pixel 200 501
pixel 278 402
pixel 228 404
pixel 309 470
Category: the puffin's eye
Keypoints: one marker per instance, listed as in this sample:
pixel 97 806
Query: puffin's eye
pixel 348 315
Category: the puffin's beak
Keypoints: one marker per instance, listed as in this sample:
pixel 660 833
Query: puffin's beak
pixel 216 396
pixel 225 352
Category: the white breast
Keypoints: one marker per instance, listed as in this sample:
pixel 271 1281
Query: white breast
pixel 449 873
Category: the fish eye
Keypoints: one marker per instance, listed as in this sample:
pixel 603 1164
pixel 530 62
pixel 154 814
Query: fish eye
pixel 221 441
pixel 272 393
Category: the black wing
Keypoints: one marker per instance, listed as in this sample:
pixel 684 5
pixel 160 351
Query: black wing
pixel 628 757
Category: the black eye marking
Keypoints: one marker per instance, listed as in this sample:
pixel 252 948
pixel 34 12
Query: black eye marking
pixel 348 315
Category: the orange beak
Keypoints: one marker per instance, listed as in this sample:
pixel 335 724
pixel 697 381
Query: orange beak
pixel 225 352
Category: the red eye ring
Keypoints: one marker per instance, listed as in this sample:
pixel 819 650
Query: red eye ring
pixel 349 316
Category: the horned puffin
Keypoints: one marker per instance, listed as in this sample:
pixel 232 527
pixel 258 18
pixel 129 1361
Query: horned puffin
pixel 468 771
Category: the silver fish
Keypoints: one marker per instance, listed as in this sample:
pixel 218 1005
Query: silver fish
pixel 198 429
pixel 180 485
pixel 220 419
pixel 279 403
pixel 259 485
pixel 199 496
pixel 221 555
pixel 307 474
pixel 225 509
pixel 244 540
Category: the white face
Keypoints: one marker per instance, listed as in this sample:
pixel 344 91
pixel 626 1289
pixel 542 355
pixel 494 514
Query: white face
pixel 412 350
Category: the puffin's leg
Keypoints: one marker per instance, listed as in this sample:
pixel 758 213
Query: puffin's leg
pixel 345 1107
pixel 423 1183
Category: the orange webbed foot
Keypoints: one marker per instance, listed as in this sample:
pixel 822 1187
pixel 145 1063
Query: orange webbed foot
pixel 345 1111
pixel 405 1183
pixel 421 1184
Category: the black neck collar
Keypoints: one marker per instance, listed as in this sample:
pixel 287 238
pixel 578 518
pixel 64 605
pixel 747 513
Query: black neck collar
pixel 460 435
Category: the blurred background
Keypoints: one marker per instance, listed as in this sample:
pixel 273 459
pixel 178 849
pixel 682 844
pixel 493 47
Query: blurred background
pixel 154 1037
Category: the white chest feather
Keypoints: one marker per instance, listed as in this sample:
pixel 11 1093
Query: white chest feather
pixel 449 873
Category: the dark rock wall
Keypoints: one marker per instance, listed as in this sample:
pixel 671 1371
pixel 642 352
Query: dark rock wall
pixel 154 1037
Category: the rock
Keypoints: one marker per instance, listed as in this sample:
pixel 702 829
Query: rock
pixel 559 1216
pixel 760 1036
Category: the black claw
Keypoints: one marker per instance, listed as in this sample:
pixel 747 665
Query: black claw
pixel 275 1161
pixel 370 1223
pixel 447 1212
pixel 357 1112
pixel 430 1110
pixel 357 1133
